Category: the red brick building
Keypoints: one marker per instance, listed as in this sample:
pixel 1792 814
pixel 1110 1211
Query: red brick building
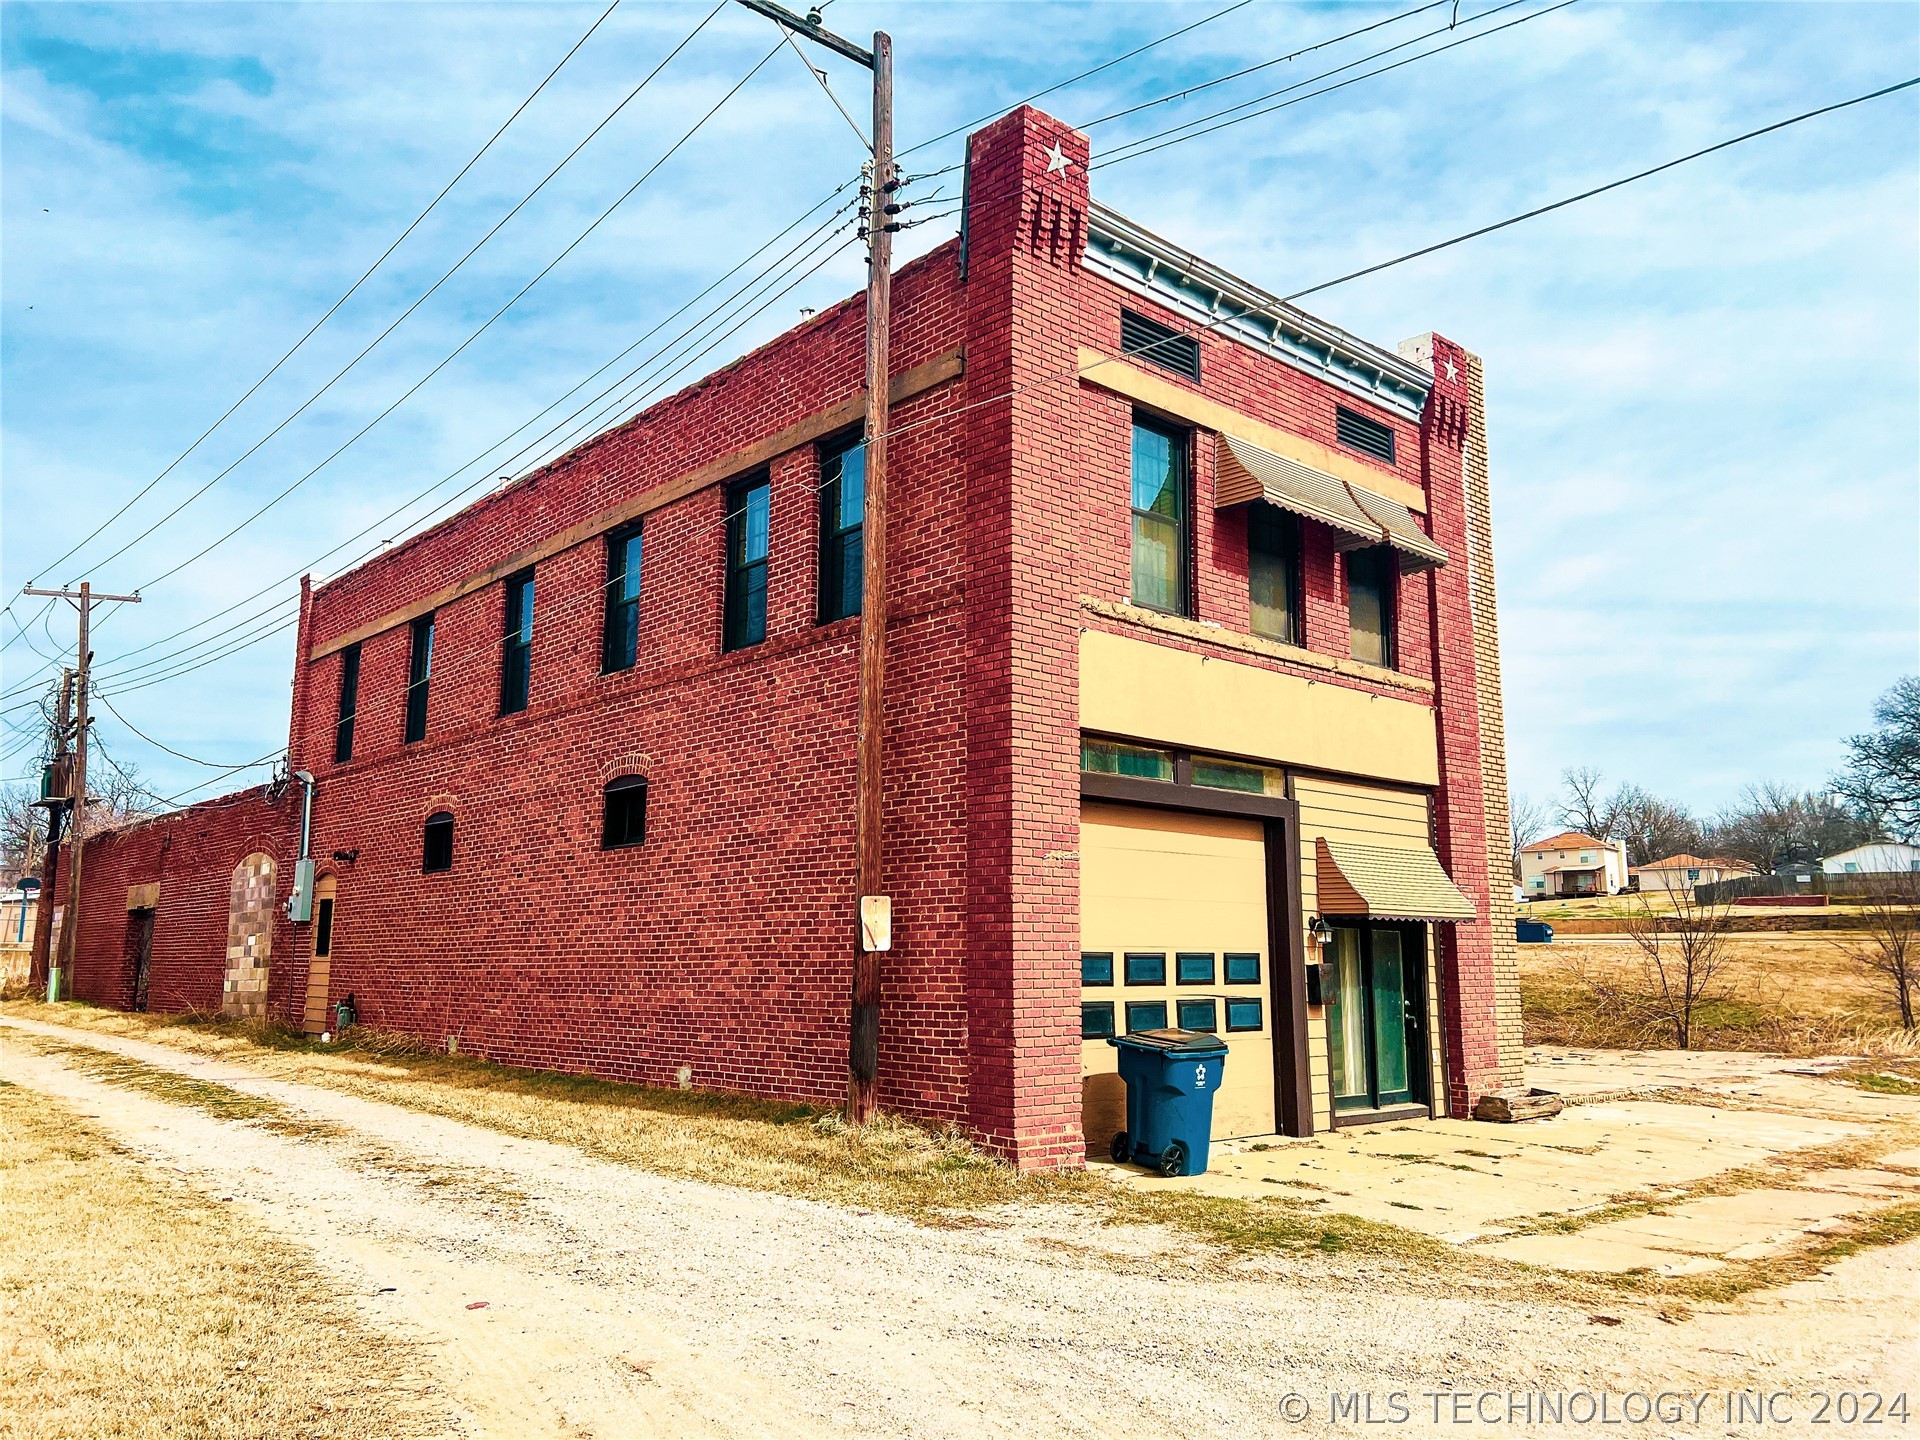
pixel 1193 712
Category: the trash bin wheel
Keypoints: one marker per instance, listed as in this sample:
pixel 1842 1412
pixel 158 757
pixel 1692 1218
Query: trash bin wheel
pixel 1173 1159
pixel 1122 1148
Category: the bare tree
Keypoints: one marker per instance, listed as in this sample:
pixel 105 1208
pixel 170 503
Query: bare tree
pixel 1887 946
pixel 1582 807
pixel 1883 765
pixel 1528 819
pixel 1683 957
pixel 1652 827
pixel 1772 824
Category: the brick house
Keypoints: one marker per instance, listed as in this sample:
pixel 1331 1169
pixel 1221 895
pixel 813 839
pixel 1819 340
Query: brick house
pixel 1194 718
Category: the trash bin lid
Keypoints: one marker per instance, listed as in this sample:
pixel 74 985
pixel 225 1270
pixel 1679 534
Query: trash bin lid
pixel 1173 1042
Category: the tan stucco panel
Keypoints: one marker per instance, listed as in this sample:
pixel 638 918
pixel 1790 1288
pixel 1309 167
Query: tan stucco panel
pixel 1152 692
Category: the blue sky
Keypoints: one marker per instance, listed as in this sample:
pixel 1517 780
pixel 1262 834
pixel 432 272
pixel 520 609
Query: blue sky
pixel 1704 389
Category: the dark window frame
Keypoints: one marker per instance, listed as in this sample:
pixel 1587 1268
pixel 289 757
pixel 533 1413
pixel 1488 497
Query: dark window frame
pixel 516 644
pixel 620 618
pixel 1273 535
pixel 1133 955
pixel 323 927
pixel 744 623
pixel 843 550
pixel 1180 959
pixel 1227 968
pixel 617 798
pixel 1096 955
pixel 1240 1002
pixel 1380 572
pixel 436 843
pixel 1097 1007
pixel 349 706
pixel 1180 441
pixel 1133 1005
pixel 419 679
pixel 1180 1005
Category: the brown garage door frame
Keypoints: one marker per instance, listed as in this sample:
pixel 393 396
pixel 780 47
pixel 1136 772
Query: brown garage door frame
pixel 1285 940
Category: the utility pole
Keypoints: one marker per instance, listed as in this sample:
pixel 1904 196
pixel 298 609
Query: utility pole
pixel 60 975
pixel 873 929
pixel 49 862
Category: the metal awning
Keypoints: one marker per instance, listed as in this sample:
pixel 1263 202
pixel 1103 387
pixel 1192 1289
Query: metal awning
pixel 1387 883
pixel 1244 472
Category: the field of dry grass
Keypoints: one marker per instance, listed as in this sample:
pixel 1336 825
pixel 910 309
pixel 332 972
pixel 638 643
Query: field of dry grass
pixel 1794 994
pixel 141 1310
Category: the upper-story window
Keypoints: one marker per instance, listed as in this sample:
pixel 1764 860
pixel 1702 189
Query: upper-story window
pixel 436 843
pixel 1373 577
pixel 746 602
pixel 349 704
pixel 620 629
pixel 843 499
pixel 1161 505
pixel 1273 572
pixel 516 651
pixel 419 672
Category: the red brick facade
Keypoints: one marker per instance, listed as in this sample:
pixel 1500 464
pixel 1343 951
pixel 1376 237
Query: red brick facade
pixel 722 946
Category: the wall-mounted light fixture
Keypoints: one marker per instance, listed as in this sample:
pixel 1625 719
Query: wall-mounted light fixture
pixel 1322 932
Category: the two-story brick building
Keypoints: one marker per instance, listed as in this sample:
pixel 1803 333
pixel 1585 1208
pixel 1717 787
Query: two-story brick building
pixel 1193 718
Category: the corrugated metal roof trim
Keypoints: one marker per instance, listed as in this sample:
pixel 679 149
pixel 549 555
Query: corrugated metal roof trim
pixel 1396 883
pixel 1245 472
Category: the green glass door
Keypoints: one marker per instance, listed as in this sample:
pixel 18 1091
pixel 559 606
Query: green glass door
pixel 1375 1038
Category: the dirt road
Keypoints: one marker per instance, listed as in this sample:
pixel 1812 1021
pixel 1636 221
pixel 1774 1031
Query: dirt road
pixel 620 1304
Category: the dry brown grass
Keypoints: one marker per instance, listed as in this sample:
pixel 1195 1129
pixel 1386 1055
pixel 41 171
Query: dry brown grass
pixel 137 1310
pixel 1793 994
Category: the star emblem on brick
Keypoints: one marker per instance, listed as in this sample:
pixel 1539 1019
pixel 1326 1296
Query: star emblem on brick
pixel 1453 371
pixel 1056 159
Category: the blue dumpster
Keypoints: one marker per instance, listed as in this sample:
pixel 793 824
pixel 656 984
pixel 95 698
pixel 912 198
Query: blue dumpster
pixel 1533 932
pixel 1171 1078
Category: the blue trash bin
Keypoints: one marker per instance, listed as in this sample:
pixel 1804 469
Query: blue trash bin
pixel 1533 932
pixel 1172 1076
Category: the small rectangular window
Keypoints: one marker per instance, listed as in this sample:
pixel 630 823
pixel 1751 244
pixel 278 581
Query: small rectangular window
pixel 747 534
pixel 322 928
pixel 1372 577
pixel 1096 1020
pixel 1161 505
pixel 349 704
pixel 516 649
pixel 436 844
pixel 1106 757
pixel 1198 1015
pixel 1159 344
pixel 623 818
pixel 1193 968
pixel 1227 775
pixel 1096 967
pixel 620 626
pixel 1243 969
pixel 1243 1015
pixel 1146 1015
pixel 1273 573
pixel 843 499
pixel 1358 432
pixel 1146 969
pixel 419 674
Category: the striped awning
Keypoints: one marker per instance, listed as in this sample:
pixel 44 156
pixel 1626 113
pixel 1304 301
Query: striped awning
pixel 1244 472
pixel 1387 883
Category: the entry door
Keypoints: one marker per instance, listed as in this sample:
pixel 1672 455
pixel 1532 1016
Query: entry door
pixel 314 1018
pixel 139 956
pixel 1173 933
pixel 1376 1017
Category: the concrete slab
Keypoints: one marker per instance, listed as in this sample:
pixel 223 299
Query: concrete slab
pixel 1585 1250
pixel 1903 1159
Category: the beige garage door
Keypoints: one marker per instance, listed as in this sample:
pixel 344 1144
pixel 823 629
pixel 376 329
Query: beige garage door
pixel 1173 932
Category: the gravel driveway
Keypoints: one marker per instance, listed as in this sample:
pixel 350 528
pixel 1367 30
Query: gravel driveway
pixel 622 1304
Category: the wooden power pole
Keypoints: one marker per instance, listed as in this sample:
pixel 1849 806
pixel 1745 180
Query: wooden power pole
pixel 873 929
pixel 60 973
pixel 49 862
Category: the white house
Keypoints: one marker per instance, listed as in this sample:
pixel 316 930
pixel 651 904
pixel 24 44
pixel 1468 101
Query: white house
pixel 1879 859
pixel 1683 872
pixel 1571 864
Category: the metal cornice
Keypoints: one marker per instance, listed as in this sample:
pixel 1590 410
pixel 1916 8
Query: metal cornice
pixel 1160 271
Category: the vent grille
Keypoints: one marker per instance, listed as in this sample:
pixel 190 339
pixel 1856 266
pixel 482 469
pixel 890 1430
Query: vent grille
pixel 1357 432
pixel 1159 345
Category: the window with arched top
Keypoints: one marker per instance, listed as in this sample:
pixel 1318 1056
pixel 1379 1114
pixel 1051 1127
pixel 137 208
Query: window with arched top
pixel 624 817
pixel 436 848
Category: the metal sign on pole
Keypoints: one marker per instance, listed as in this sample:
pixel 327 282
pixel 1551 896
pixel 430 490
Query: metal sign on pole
pixel 873 927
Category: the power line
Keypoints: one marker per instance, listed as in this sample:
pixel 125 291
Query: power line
pixel 1603 189
pixel 208 549
pixel 421 300
pixel 332 309
pixel 102 697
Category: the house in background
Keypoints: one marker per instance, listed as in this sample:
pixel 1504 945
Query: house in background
pixel 1570 864
pixel 1885 857
pixel 1682 872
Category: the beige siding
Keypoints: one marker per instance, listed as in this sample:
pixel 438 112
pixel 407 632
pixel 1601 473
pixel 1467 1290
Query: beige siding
pixel 1369 815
